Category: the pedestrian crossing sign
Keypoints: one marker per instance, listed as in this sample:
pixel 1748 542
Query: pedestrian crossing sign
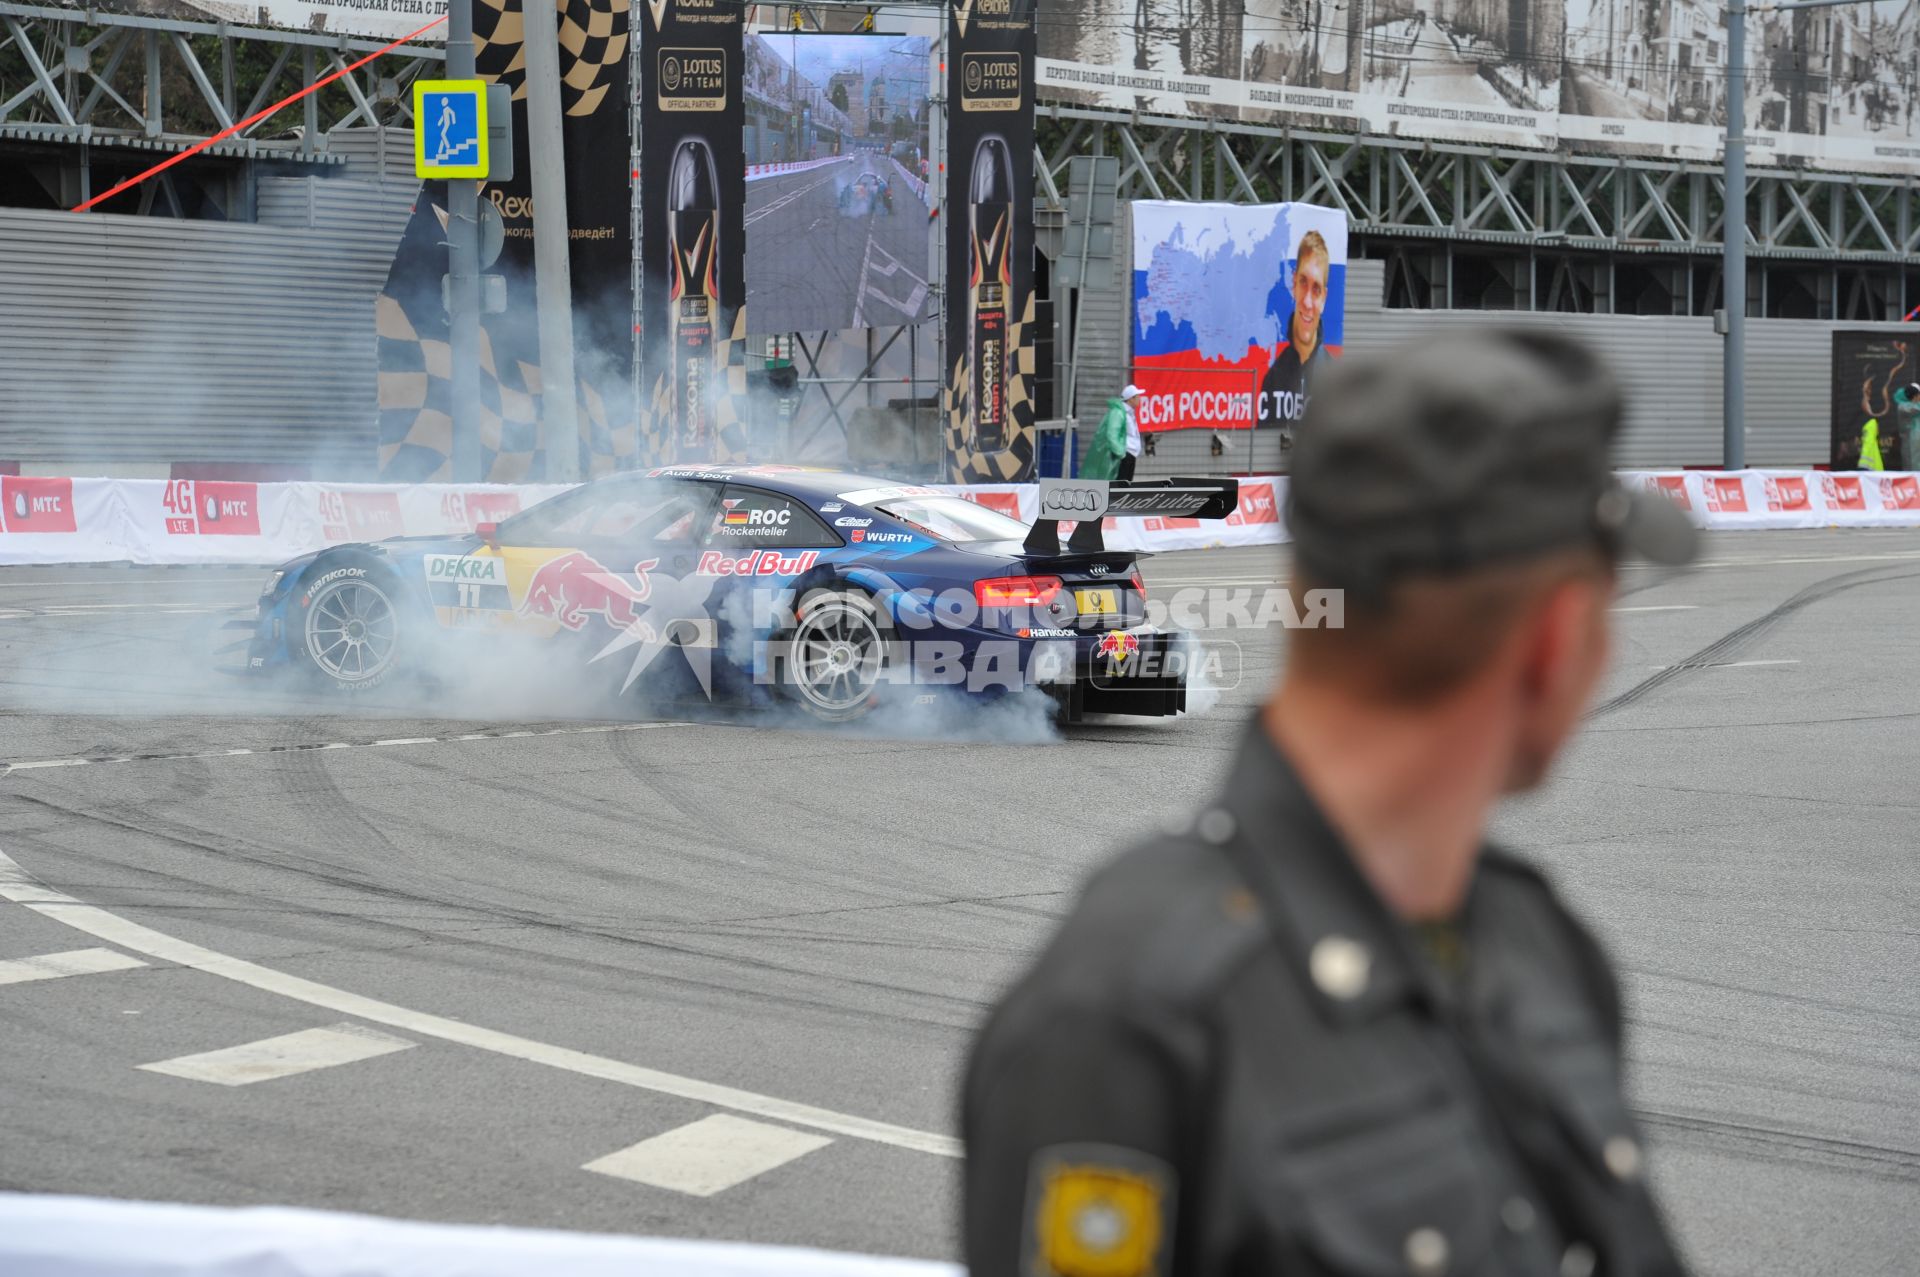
pixel 450 128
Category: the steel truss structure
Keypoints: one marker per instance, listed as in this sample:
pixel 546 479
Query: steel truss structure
pixel 92 89
pixel 1464 226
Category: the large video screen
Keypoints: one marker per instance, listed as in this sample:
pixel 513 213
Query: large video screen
pixel 839 229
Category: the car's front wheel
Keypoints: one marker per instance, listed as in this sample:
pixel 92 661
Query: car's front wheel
pixel 837 655
pixel 350 630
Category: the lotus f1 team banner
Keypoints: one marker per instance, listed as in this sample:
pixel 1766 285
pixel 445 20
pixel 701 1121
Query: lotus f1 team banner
pixel 1236 308
pixel 692 196
pixel 989 211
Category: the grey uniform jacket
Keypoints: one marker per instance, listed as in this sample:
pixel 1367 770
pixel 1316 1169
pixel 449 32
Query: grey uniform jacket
pixel 1232 1059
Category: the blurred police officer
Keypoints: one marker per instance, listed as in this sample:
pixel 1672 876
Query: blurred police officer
pixel 1326 1028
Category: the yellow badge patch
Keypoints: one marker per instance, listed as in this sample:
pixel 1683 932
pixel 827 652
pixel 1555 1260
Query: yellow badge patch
pixel 1098 1221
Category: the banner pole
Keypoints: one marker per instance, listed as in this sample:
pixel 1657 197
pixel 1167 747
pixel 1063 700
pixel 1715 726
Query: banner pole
pixel 938 145
pixel 463 274
pixel 552 283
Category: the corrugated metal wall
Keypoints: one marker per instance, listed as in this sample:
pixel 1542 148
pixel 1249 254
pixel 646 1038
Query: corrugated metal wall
pixel 128 340
pixel 1670 365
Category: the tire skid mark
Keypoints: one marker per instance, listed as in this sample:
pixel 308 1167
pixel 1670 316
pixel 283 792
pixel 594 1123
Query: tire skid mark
pixel 1741 636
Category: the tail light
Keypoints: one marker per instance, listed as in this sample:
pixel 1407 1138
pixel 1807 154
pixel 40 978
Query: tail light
pixel 1017 591
pixel 1137 582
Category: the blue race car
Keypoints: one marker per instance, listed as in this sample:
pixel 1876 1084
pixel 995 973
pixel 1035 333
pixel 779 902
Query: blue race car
pixel 830 591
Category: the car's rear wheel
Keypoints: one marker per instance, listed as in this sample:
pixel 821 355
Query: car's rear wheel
pixel 837 655
pixel 350 628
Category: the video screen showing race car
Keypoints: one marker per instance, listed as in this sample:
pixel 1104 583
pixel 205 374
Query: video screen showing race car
pixel 838 222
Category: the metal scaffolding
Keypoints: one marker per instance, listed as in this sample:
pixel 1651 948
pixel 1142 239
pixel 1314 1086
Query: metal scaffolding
pixel 1559 229
pixel 110 84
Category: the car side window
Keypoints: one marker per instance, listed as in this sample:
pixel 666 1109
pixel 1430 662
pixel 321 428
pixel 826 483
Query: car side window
pixel 752 518
pixel 657 511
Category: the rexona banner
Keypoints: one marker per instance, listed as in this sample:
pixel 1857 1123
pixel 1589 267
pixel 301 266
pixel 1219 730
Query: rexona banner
pixel 989 213
pixel 1831 86
pixel 1876 411
pixel 416 395
pixel 692 198
pixel 1236 307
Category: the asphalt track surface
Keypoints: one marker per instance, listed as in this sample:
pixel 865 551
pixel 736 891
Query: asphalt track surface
pixel 532 944
pixel 830 268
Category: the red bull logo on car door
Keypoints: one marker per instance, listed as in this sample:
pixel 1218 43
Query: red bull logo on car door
pixel 575 587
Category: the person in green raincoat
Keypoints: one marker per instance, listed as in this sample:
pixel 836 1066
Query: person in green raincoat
pixel 1109 447
pixel 1906 405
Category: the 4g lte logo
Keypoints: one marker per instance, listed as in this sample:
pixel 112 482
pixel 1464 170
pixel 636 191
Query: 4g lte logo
pixel 207 508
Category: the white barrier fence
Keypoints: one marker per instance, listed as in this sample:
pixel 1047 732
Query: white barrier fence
pixel 43 1236
pixel 186 521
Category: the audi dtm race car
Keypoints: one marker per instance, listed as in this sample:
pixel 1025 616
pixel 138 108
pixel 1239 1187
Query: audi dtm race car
pixel 833 592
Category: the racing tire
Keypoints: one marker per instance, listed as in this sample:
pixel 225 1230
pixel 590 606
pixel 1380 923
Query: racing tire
pixel 350 628
pixel 837 655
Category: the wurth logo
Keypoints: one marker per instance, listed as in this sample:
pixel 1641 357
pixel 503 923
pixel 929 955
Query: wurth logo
pixel 36 505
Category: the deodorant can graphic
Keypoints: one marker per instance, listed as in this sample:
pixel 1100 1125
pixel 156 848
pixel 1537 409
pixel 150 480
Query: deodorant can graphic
pixel 693 225
pixel 990 290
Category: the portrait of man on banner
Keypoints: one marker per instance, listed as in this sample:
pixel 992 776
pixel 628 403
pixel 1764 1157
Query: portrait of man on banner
pixel 1237 309
pixel 1302 351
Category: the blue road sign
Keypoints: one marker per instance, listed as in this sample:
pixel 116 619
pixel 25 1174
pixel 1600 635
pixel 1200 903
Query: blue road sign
pixel 450 128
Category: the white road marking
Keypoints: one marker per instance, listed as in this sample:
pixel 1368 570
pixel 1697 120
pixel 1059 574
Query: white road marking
pixel 51 966
pixel 708 1156
pixel 1721 665
pixel 284 1056
pixel 7 769
pixel 1660 607
pixel 1842 558
pixel 142 582
pixel 51 608
pixel 18 886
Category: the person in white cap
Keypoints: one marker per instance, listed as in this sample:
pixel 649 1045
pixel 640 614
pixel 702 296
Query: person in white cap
pixel 1127 396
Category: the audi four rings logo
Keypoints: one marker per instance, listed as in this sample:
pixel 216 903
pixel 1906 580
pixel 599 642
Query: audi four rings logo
pixel 1098 569
pixel 670 74
pixel 1072 499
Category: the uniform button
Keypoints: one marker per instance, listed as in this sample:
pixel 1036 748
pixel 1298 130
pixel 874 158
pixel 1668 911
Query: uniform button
pixel 1339 967
pixel 1216 826
pixel 1622 1156
pixel 1578 1261
pixel 1426 1251
pixel 1517 1214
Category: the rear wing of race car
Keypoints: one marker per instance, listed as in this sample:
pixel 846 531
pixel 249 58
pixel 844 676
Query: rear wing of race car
pixel 1088 501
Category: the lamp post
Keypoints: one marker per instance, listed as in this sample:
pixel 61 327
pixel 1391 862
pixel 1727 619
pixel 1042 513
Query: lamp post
pixel 1733 268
